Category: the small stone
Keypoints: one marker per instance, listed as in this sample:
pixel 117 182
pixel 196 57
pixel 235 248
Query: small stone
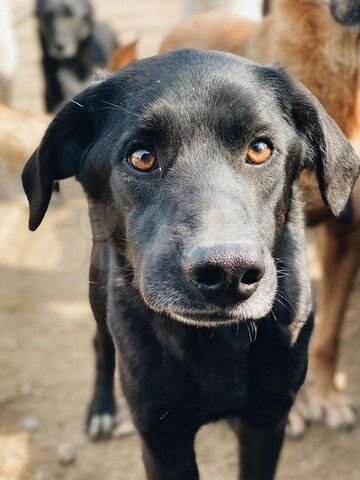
pixel 39 475
pixel 25 389
pixel 12 343
pixel 31 424
pixel 66 453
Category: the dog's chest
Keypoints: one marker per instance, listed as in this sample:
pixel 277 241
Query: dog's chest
pixel 218 366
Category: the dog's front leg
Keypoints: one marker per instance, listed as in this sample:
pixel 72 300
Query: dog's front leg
pixel 102 409
pixel 169 453
pixel 177 466
pixel 260 451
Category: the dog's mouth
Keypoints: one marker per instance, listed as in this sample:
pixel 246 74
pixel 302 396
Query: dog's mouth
pixel 175 306
pixel 214 318
pixel 238 289
pixel 206 319
pixel 62 54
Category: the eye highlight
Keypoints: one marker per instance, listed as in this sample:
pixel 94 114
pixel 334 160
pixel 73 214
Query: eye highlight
pixel 143 160
pixel 259 152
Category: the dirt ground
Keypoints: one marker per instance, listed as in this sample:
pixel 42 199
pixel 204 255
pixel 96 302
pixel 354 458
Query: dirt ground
pixel 46 361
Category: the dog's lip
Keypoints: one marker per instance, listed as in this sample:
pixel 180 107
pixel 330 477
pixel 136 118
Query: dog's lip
pixel 215 316
pixel 204 319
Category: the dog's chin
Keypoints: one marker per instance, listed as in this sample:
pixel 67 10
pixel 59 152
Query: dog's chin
pixel 252 309
pixel 209 320
pixel 62 56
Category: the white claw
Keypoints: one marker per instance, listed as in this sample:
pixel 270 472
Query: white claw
pixel 101 426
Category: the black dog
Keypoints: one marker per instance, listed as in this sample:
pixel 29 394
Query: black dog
pixel 266 6
pixel 73 46
pixel 190 162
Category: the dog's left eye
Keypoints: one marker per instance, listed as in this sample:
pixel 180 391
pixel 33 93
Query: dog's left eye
pixel 143 160
pixel 259 152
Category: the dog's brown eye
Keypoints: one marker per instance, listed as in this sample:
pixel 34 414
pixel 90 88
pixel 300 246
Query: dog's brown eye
pixel 259 152
pixel 143 160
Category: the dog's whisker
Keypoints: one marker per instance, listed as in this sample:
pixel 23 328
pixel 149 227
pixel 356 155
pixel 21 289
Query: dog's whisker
pixel 121 87
pixel 77 103
pixel 288 301
pixel 273 314
pixel 121 108
pixel 248 329
pixel 291 310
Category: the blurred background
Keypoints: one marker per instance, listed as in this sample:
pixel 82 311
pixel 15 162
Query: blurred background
pixel 46 327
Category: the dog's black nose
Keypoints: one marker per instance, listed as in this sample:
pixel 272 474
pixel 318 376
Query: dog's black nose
pixel 226 272
pixel 60 47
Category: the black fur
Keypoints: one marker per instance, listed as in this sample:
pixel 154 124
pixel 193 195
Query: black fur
pixel 73 46
pixel 186 355
pixel 347 12
pixel 266 7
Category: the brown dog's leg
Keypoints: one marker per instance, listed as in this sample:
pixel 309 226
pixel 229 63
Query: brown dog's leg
pixel 341 260
pixel 321 400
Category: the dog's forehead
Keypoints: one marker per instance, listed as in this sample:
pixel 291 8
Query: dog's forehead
pixel 191 84
pixel 79 6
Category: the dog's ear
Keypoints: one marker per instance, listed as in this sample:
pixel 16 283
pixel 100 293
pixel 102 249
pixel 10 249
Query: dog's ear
pixel 326 149
pixel 58 156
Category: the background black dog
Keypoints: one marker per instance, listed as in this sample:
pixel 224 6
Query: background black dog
pixel 73 46
pixel 191 162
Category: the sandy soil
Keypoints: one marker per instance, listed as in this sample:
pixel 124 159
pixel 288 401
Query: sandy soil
pixel 46 361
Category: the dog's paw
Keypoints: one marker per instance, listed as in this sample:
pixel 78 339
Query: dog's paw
pixel 101 426
pixel 313 405
pixel 101 421
pixel 124 428
pixel 332 408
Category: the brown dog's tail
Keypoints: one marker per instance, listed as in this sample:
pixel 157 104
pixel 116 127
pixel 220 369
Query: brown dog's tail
pixel 123 56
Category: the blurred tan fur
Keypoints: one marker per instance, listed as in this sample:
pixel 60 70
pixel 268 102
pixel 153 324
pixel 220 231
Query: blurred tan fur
pixel 20 134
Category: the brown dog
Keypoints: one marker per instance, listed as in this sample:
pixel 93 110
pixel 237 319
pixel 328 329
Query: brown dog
pixel 123 56
pixel 317 42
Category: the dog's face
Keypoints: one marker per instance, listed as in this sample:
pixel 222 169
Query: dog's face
pixel 63 25
pixel 346 12
pixel 196 156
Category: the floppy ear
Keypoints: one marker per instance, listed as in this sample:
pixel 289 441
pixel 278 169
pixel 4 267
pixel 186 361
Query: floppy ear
pixel 326 149
pixel 58 157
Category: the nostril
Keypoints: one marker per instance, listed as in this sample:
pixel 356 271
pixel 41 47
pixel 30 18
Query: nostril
pixel 252 276
pixel 210 276
pixel 60 47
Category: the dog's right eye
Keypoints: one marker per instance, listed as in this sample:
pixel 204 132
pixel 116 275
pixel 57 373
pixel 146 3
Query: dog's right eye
pixel 143 160
pixel 259 152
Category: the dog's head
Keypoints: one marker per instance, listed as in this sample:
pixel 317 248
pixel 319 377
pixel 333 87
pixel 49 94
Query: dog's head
pixel 64 24
pixel 347 12
pixel 196 155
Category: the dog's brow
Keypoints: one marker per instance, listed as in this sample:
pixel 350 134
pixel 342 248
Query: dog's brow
pixel 128 92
